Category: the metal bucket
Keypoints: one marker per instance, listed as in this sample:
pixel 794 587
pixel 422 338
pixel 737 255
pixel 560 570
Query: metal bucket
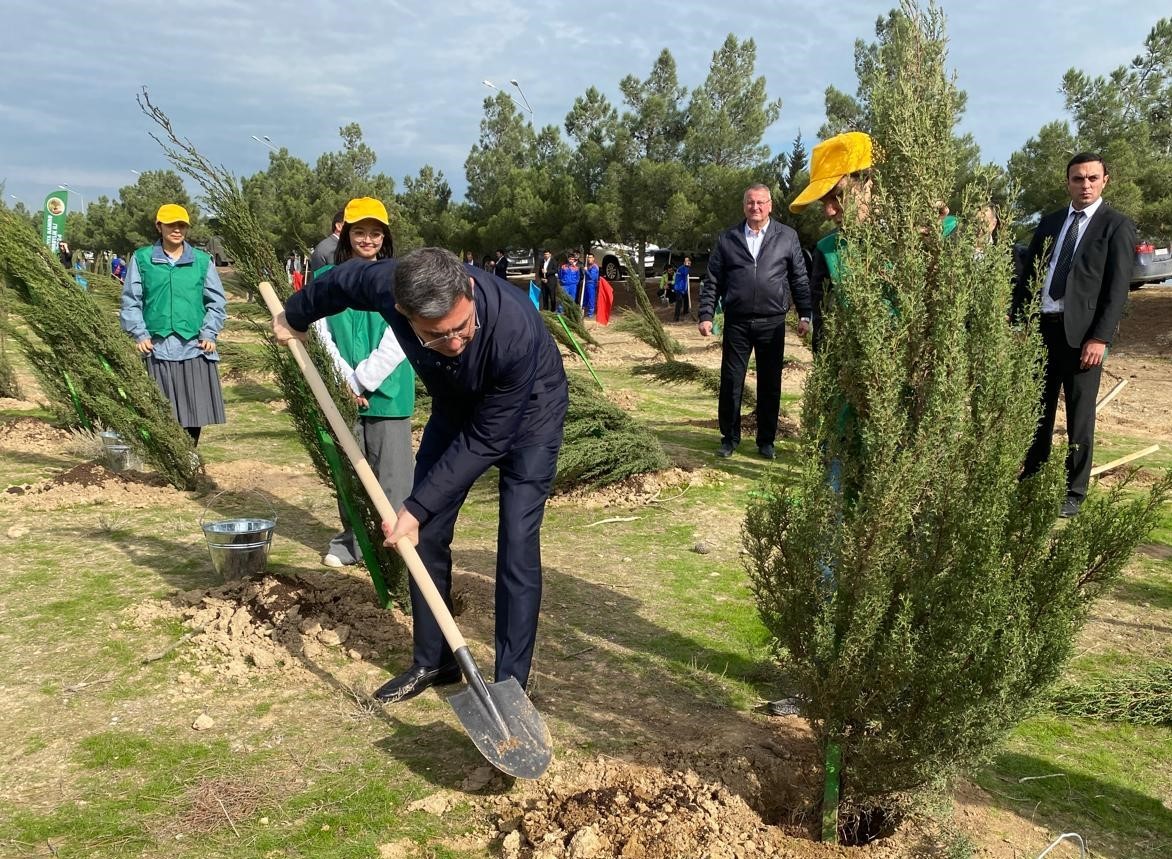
pixel 239 547
pixel 116 453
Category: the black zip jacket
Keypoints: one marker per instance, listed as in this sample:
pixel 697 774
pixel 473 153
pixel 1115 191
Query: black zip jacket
pixel 751 288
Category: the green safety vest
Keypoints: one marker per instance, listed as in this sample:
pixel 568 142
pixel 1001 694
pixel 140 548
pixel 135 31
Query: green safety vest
pixel 172 295
pixel 357 333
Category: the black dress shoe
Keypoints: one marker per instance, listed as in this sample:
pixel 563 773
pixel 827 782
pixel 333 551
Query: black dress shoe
pixel 726 449
pixel 1070 508
pixel 414 680
pixel 767 451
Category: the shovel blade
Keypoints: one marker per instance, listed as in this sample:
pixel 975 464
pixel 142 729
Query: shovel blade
pixel 524 748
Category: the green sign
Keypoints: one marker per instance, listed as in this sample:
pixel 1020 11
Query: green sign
pixel 56 209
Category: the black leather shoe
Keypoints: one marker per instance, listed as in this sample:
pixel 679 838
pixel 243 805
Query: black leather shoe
pixel 726 449
pixel 767 451
pixel 1070 508
pixel 414 680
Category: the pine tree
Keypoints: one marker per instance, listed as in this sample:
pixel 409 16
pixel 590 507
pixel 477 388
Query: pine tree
pixel 920 593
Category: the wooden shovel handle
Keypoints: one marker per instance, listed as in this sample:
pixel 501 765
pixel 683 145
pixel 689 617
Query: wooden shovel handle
pixel 362 468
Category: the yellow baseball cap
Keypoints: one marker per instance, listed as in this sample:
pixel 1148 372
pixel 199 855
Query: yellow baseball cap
pixel 170 213
pixel 361 208
pixel 832 159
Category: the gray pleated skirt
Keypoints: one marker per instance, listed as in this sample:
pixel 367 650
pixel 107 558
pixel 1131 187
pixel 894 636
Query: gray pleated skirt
pixel 192 386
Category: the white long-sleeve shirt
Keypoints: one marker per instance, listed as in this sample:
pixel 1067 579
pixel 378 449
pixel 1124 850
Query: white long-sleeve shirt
pixel 372 370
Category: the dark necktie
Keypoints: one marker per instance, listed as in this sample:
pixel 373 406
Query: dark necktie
pixel 1062 268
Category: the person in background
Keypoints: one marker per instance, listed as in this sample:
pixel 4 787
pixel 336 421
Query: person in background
pixel 64 255
pixel 547 277
pixel 469 259
pixel 173 306
pixel 754 268
pixel 501 266
pixel 369 359
pixel 590 285
pixel 323 252
pixel 1082 255
pixel 118 268
pixel 568 276
pixel 680 287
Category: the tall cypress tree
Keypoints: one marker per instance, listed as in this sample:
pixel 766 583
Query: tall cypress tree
pixel 921 594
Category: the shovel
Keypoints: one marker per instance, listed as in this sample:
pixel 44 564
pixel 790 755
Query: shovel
pixel 499 717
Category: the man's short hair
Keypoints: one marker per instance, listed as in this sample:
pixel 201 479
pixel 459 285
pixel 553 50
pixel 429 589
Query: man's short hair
pixel 1087 158
pixel 429 282
pixel 339 217
pixel 757 186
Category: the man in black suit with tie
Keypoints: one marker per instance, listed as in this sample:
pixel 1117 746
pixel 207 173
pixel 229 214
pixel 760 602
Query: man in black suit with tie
pixel 1082 256
pixel 547 277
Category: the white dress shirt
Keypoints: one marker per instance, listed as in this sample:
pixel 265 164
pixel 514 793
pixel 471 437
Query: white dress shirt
pixel 1050 305
pixel 753 238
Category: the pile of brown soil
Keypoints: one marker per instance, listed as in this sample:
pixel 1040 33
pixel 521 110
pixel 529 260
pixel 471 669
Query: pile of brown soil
pixel 634 491
pixel 698 806
pixel 278 623
pixel 90 483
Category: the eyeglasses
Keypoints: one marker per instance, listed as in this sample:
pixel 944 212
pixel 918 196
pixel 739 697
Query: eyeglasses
pixel 464 339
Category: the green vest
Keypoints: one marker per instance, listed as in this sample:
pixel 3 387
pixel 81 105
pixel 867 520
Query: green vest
pixel 357 333
pixel 172 295
pixel 830 244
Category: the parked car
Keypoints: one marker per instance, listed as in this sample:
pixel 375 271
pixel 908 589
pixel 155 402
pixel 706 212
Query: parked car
pixel 217 251
pixel 520 261
pixel 612 259
pixel 1152 265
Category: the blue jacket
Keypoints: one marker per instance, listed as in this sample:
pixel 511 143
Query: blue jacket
pixel 568 277
pixel 680 284
pixel 506 389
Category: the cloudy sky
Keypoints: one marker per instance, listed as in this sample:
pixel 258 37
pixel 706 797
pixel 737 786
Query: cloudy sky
pixel 410 72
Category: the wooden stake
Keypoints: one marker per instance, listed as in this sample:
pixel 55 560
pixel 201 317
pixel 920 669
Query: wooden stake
pixel 1111 394
pixel 1123 460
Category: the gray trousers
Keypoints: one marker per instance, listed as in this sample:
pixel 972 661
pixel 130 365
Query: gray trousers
pixel 386 444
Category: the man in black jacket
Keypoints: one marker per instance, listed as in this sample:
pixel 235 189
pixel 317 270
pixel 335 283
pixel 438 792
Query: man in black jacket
pixel 499 398
pixel 748 271
pixel 323 251
pixel 1083 256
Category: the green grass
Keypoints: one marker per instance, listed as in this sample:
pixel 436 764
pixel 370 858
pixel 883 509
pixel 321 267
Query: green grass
pixel 107 769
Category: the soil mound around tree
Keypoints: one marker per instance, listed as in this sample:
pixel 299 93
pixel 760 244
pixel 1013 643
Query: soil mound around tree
pixel 723 807
pixel 634 491
pixel 281 623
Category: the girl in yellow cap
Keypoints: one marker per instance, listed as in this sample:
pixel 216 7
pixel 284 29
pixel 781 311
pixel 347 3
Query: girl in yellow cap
pixel 370 360
pixel 173 306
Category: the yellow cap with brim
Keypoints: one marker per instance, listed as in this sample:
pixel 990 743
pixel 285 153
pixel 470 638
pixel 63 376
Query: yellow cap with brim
pixel 832 159
pixel 170 213
pixel 361 208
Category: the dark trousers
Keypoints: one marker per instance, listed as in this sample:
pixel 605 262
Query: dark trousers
pixel 549 299
pixel 526 476
pixel 764 336
pixel 681 299
pixel 1081 389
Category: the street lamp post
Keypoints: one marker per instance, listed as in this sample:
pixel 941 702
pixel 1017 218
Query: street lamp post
pixel 491 85
pixel 266 141
pixel 513 81
pixel 80 196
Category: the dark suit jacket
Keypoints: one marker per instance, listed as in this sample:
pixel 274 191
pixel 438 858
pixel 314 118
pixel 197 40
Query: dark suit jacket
pixel 547 272
pixel 506 389
pixel 1100 273
pixel 501 268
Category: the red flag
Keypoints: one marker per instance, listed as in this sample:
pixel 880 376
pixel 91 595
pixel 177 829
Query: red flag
pixel 604 302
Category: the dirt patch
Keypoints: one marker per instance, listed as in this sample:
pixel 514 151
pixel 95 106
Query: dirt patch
pixel 30 435
pixel 724 807
pixel 276 622
pixel 634 491
pixel 91 483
